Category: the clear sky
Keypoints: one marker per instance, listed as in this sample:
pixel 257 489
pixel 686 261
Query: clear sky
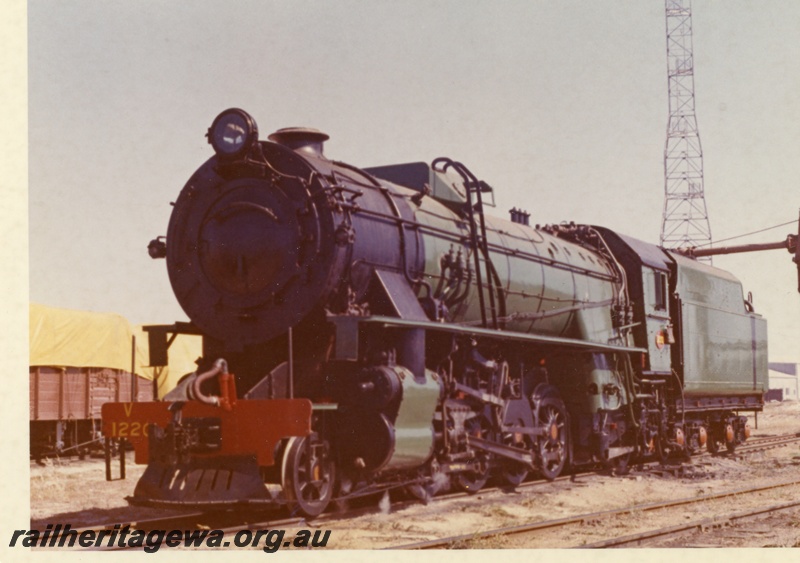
pixel 560 105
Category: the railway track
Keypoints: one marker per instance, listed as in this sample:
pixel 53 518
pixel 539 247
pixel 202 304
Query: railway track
pixel 230 522
pixel 279 518
pixel 598 520
pixel 760 445
pixel 768 439
pixel 650 537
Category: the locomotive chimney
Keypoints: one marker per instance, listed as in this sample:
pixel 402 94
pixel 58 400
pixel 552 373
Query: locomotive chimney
pixel 302 139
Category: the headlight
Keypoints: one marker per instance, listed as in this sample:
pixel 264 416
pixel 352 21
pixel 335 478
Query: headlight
pixel 232 134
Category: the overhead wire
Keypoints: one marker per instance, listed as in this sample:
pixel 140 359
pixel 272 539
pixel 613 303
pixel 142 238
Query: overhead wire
pixel 747 234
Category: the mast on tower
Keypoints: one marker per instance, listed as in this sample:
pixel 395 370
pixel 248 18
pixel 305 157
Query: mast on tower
pixel 685 219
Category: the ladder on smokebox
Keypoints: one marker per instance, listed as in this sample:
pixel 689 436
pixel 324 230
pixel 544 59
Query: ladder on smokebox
pixel 479 243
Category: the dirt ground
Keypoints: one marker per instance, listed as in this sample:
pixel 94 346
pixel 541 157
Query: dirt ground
pixel 76 492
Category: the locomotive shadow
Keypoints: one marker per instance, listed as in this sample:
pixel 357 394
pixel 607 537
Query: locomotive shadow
pixel 97 516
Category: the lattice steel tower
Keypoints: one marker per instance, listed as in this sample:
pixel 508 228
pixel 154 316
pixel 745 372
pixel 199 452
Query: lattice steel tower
pixel 685 220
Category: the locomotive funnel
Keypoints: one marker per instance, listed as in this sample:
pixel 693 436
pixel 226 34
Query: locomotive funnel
pixel 304 139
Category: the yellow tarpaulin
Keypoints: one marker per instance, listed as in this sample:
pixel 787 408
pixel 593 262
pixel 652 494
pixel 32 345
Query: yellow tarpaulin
pixel 69 338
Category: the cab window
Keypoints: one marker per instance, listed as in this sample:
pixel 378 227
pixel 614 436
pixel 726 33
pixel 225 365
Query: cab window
pixel 660 302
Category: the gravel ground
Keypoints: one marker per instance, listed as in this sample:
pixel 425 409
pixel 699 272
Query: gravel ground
pixel 59 494
pixel 77 492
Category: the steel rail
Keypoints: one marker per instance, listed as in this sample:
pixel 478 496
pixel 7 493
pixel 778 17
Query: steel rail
pixel 661 533
pixel 161 522
pixel 562 522
pixel 174 522
pixel 178 520
pixel 760 445
pixel 778 441
pixel 763 439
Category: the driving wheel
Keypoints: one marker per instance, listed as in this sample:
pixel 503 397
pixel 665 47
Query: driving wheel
pixel 552 447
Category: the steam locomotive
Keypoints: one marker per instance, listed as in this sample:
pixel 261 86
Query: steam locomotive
pixel 385 332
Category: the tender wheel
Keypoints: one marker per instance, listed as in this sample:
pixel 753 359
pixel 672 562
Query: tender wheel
pixel 716 441
pixel 308 475
pixel 730 438
pixel 723 436
pixel 552 447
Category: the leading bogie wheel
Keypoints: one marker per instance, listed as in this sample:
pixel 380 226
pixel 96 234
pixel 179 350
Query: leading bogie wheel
pixel 308 475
